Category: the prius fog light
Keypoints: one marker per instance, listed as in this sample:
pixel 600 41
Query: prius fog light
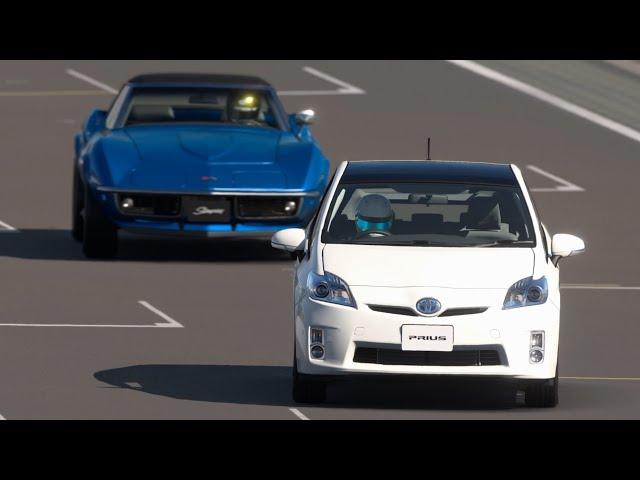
pixel 536 356
pixel 317 336
pixel 536 347
pixel 317 352
pixel 126 202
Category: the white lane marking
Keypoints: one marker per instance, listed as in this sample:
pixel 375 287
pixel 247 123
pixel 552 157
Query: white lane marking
pixel 299 414
pixel 548 98
pixel 91 81
pixel 2 418
pixel 5 227
pixel 168 323
pixel 596 287
pixel 564 185
pixel 52 93
pixel 613 379
pixel 344 87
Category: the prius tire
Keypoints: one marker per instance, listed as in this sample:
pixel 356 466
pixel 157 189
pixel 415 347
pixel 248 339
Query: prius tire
pixel 77 204
pixel 100 235
pixel 543 393
pixel 308 388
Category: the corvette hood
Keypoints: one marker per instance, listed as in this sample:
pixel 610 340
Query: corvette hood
pixel 201 158
pixel 376 265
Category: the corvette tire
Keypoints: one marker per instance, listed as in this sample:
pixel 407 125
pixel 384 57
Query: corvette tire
pixel 100 236
pixel 77 204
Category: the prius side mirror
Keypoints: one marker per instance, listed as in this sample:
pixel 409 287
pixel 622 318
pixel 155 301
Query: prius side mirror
pixel 290 240
pixel 565 245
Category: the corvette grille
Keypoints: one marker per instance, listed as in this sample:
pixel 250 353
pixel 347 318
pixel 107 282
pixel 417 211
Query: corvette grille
pixel 456 358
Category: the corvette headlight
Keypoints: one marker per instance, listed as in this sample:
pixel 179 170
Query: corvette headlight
pixel 526 292
pixel 329 288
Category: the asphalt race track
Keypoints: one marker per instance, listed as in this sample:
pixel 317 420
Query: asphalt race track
pixel 177 329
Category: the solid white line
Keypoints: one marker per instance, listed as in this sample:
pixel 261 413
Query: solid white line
pixel 548 98
pixel 597 287
pixel 565 186
pixel 2 418
pixel 91 81
pixel 613 379
pixel 344 87
pixel 299 414
pixel 7 227
pixel 170 321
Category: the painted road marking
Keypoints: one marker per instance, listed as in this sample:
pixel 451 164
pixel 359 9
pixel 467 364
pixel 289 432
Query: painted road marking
pixel 344 87
pixel 168 322
pixel 597 286
pixel 612 379
pixel 52 93
pixel 564 185
pixel 299 414
pixel 5 227
pixel 548 98
pixel 91 81
pixel 2 418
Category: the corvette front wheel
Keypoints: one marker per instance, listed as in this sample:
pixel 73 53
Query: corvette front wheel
pixel 77 204
pixel 100 235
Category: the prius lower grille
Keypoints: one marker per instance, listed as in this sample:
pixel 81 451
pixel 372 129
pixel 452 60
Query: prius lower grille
pixel 456 358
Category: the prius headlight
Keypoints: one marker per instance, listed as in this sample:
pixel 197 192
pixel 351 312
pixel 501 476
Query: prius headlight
pixel 525 292
pixel 329 288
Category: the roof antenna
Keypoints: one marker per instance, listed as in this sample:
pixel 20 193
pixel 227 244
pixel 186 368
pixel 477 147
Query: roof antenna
pixel 428 148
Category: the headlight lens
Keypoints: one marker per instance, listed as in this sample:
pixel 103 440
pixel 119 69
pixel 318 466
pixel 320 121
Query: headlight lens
pixel 525 292
pixel 330 288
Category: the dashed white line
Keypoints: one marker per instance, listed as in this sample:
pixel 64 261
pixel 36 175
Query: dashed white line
pixel 299 414
pixel 564 185
pixel 91 81
pixel 5 227
pixel 548 98
pixel 344 87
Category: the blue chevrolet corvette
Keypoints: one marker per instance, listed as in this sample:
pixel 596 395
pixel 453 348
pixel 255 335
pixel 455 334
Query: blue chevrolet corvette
pixel 194 154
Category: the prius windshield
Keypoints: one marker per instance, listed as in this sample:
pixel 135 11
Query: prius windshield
pixel 429 214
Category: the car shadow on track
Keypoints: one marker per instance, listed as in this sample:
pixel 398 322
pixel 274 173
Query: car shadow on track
pixel 271 385
pixel 50 244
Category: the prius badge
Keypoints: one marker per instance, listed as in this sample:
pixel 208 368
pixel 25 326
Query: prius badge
pixel 428 306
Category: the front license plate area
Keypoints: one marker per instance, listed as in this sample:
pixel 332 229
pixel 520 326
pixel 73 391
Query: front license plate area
pixel 427 338
pixel 207 209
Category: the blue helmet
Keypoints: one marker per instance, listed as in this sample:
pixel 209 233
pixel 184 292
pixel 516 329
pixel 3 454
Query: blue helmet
pixel 374 213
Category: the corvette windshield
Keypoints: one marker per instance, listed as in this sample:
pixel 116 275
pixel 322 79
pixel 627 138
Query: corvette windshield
pixel 150 105
pixel 429 214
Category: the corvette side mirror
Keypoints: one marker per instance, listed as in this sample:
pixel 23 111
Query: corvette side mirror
pixel 305 117
pixel 291 240
pixel 95 122
pixel 565 245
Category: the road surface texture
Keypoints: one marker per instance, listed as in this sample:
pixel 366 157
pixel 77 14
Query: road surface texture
pixel 177 329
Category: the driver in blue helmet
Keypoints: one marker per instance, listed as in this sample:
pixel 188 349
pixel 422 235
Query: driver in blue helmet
pixel 374 216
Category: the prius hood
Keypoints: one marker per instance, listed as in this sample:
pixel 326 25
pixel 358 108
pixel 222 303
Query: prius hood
pixel 392 266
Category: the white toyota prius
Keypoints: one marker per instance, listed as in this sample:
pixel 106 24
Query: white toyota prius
pixel 427 268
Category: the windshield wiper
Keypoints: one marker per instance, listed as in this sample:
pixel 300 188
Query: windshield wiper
pixel 504 242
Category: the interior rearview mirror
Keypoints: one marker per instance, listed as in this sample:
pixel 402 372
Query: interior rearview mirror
pixel 291 240
pixel 565 245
